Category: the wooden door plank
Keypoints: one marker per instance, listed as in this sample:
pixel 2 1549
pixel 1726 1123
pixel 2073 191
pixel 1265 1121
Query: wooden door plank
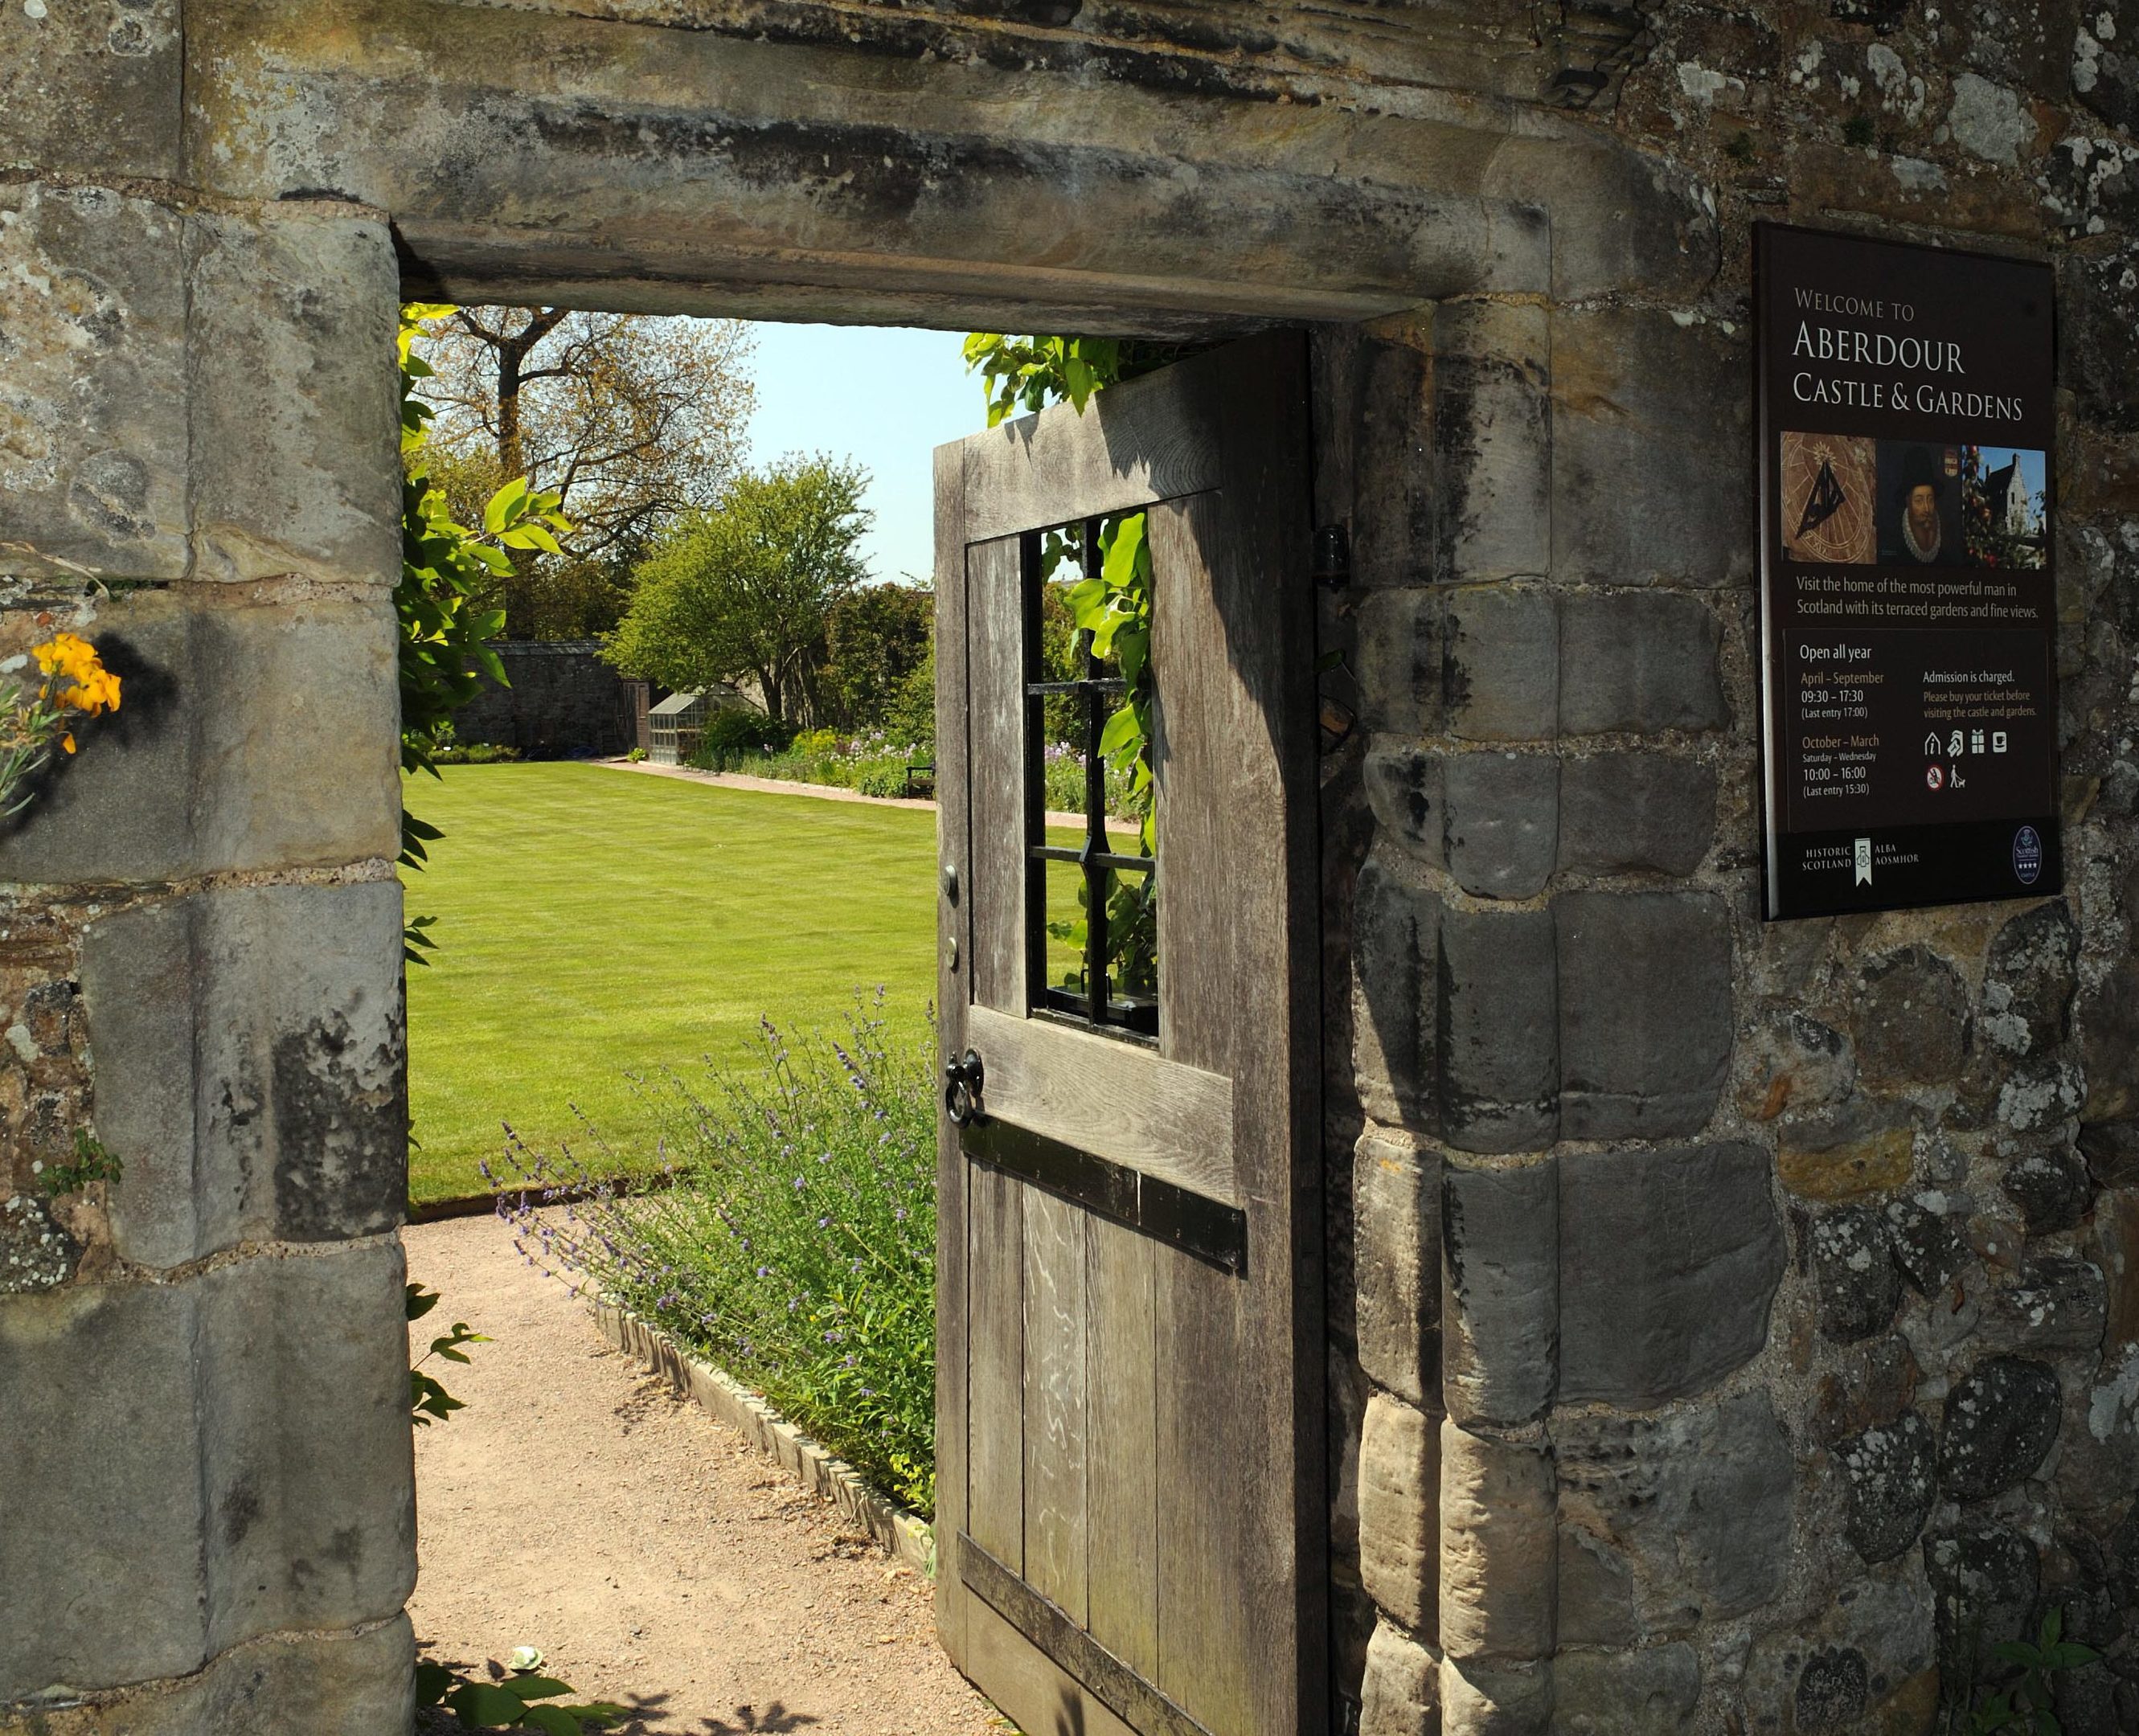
pixel 1134 443
pixel 1056 1427
pixel 1034 1693
pixel 1115 1099
pixel 998 800
pixel 954 953
pixel 1242 1622
pixel 1122 1577
pixel 1138 1701
pixel 995 1330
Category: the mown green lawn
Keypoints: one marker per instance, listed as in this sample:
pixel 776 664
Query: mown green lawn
pixel 593 921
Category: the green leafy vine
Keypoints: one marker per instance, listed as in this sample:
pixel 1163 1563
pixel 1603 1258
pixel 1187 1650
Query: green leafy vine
pixel 1113 608
pixel 442 598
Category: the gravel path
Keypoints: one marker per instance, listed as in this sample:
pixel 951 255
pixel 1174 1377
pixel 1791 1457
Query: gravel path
pixel 655 1558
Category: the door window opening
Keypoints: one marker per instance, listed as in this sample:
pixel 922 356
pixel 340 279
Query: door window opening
pixel 1093 897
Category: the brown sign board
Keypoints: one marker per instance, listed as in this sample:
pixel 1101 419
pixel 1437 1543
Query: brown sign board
pixel 1908 670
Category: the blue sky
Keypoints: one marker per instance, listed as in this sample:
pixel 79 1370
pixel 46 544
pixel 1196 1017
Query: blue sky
pixel 881 395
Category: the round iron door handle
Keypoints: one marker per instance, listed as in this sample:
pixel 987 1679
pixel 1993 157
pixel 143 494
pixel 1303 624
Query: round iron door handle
pixel 961 1088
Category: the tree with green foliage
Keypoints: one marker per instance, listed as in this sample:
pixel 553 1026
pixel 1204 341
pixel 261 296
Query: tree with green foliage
pixel 876 638
pixel 746 592
pixel 629 419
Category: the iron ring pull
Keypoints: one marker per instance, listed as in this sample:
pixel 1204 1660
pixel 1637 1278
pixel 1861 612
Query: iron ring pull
pixel 961 1088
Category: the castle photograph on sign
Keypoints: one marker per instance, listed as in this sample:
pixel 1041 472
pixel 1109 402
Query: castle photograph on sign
pixel 1850 500
pixel 2004 502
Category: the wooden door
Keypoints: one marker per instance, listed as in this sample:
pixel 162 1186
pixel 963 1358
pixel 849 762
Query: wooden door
pixel 1130 1517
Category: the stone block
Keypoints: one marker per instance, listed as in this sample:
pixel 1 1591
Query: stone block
pixel 93 432
pixel 1493 441
pixel 1497 1547
pixel 1863 1661
pixel 1501 822
pixel 1501 667
pixel 1500 1038
pixel 2054 1301
pixel 1391 495
pixel 1638 662
pixel 1622 220
pixel 2029 979
pixel 1624 813
pixel 1858 1282
pixel 1795 1061
pixel 1399 1515
pixel 2098 309
pixel 251 734
pixel 2001 1420
pixel 1399 646
pixel 1401 1695
pixel 1925 1245
pixel 1396 1216
pixel 1642 406
pixel 101 1576
pixel 1396 947
pixel 1890 1473
pixel 2114 1243
pixel 1495 1699
pixel 1645 1013
pixel 1668 1264
pixel 310 1468
pixel 1651 1692
pixel 1595 1591
pixel 2111 1151
pixel 1913 1020
pixel 1985 1579
pixel 323 1685
pixel 250 1044
pixel 1699 1502
pixel 1852 1156
pixel 1500 1306
pixel 2107 1014
pixel 296 452
pixel 2050 1185
pixel 231 1456
pixel 91 89
pixel 1404 789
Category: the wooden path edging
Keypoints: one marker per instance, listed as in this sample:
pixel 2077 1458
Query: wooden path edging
pixel 899 1531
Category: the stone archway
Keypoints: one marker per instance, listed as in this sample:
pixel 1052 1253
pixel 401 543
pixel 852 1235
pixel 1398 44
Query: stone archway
pixel 1534 393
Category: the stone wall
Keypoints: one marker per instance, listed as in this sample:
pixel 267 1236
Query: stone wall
pixel 210 1512
pixel 1744 1328
pixel 1735 1326
pixel 560 700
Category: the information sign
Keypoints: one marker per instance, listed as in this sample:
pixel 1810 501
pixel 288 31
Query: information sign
pixel 1908 666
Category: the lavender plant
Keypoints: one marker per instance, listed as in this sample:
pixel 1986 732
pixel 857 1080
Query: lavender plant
pixel 794 1244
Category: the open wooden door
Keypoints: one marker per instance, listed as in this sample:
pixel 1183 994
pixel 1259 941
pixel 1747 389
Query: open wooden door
pixel 1131 1513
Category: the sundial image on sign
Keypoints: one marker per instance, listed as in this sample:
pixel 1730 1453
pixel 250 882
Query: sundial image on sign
pixel 1908 681
pixel 1829 483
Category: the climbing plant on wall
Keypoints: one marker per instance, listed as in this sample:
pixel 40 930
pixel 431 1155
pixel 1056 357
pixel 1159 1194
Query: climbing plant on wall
pixel 444 626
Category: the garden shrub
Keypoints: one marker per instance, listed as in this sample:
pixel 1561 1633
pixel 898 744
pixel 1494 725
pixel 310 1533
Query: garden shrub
pixel 796 1246
pixel 882 778
pixel 734 736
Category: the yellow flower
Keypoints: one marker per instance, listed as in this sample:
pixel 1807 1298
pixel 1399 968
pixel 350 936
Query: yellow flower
pixel 82 684
pixel 67 742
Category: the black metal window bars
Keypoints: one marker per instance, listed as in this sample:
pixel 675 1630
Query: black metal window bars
pixel 1096 855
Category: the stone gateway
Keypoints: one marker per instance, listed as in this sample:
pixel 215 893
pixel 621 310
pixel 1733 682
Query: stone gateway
pixel 1713 1325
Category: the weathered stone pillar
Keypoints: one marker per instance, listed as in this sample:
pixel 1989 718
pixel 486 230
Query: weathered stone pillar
pixel 1542 954
pixel 206 1401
